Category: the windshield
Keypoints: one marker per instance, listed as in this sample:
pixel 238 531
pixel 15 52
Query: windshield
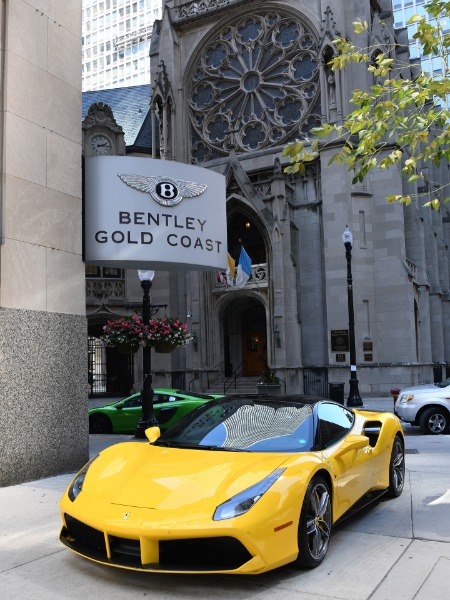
pixel 444 383
pixel 244 425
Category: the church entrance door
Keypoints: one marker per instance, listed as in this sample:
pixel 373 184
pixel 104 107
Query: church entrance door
pixel 254 352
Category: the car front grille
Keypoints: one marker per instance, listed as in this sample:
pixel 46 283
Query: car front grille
pixel 83 539
pixel 216 554
pixel 197 554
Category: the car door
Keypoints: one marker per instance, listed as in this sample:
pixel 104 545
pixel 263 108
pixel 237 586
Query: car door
pixel 348 455
pixel 128 415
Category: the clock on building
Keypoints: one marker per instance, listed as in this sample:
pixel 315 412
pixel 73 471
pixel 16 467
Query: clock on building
pixel 100 145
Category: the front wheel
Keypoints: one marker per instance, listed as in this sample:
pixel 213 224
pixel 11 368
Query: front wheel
pixel 397 469
pixel 434 421
pixel 315 524
pixel 99 424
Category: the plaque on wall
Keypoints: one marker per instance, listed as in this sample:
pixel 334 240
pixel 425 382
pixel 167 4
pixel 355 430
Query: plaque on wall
pixel 368 357
pixel 339 340
pixel 367 346
pixel 340 357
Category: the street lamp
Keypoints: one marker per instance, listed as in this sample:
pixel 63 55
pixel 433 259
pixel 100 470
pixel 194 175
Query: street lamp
pixel 354 399
pixel 147 418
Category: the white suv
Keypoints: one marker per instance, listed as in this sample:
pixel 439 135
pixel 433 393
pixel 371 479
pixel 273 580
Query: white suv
pixel 427 406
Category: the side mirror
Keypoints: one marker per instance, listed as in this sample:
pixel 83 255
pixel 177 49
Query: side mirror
pixel 352 442
pixel 152 433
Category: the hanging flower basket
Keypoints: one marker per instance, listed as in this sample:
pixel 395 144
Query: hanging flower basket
pixel 164 347
pixel 126 334
pixel 127 348
pixel 166 334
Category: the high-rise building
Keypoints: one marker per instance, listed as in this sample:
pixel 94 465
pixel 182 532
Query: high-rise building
pixel 116 42
pixel 403 11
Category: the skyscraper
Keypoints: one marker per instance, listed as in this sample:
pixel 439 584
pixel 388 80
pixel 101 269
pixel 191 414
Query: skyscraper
pixel 403 11
pixel 116 42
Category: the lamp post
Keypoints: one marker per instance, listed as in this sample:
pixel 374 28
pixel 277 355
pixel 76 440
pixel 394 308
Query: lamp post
pixel 354 399
pixel 147 418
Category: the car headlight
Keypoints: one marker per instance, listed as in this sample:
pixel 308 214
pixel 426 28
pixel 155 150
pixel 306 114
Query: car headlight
pixel 243 502
pixel 77 483
pixel 404 398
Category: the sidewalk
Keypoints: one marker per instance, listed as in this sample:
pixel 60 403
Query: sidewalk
pixel 396 550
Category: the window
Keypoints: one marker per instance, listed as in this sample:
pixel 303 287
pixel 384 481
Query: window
pixel 334 423
pixel 362 230
pixel 93 271
pixel 113 273
pixel 132 402
pixel 106 272
pixel 163 398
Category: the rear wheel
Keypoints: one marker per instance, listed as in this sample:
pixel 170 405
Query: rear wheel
pixel 397 469
pixel 434 421
pixel 99 424
pixel 315 524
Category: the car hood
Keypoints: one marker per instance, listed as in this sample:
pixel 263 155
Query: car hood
pixel 171 478
pixel 416 389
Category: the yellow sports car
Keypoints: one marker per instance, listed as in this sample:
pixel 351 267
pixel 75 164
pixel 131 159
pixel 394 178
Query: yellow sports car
pixel 239 485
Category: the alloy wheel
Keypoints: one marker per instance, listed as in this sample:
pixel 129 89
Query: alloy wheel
pixel 318 523
pixel 397 469
pixel 437 423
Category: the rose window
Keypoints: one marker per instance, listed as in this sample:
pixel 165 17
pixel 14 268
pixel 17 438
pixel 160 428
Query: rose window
pixel 255 85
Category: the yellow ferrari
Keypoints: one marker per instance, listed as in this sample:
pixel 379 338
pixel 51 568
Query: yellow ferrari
pixel 239 485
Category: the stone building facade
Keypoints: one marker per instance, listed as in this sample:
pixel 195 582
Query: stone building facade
pixel 233 82
pixel 43 354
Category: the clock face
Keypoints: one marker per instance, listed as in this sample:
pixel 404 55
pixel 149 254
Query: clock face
pixel 100 145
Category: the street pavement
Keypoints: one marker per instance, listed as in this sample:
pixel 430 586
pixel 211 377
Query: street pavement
pixel 395 550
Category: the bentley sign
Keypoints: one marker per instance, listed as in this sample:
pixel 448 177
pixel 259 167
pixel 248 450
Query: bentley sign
pixel 155 214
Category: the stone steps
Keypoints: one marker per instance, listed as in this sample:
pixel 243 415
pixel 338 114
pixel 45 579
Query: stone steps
pixel 244 385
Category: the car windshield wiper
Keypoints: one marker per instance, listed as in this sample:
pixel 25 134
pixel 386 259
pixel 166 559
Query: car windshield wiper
pixel 196 447
pixel 181 445
pixel 222 448
pixel 164 443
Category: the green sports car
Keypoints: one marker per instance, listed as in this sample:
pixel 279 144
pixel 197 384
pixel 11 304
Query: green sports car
pixel 123 416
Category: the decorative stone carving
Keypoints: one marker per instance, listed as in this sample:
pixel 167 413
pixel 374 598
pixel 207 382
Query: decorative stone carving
pixel 105 290
pixel 163 114
pixel 255 85
pixel 192 9
pixel 101 114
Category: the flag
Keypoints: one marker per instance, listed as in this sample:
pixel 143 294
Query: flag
pixel 231 271
pixel 231 266
pixel 244 269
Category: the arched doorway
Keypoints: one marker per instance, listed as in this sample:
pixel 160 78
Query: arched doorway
pixel 254 341
pixel 245 336
pixel 109 372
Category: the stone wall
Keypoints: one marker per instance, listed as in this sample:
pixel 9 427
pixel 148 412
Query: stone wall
pixel 43 399
pixel 43 346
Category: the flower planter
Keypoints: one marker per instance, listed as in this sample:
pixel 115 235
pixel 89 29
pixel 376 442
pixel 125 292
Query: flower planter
pixel 268 389
pixel 128 334
pixel 126 348
pixel 164 347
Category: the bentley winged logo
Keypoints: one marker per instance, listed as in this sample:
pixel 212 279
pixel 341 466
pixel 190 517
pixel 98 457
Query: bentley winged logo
pixel 167 191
